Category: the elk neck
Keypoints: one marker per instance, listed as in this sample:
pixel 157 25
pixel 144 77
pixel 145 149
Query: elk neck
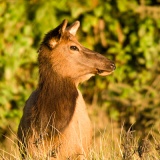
pixel 56 98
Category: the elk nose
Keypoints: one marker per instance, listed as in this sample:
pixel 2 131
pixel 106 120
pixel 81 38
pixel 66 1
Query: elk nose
pixel 113 66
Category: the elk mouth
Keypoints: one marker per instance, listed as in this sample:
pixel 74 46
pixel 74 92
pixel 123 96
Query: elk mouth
pixel 105 72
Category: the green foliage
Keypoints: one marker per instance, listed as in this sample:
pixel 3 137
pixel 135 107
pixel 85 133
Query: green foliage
pixel 113 28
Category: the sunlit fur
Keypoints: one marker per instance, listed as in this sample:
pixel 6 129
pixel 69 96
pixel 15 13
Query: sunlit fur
pixel 55 123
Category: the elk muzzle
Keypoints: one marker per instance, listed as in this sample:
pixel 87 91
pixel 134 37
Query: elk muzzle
pixel 102 65
pixel 110 67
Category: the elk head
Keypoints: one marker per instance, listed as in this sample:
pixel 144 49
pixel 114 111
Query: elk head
pixel 61 52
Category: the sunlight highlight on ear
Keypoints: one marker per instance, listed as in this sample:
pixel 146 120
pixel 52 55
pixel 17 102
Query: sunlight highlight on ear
pixel 73 28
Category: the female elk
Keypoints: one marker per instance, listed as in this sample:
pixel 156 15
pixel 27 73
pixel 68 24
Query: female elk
pixel 55 123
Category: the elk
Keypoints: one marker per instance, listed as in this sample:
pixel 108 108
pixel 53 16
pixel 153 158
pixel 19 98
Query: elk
pixel 55 123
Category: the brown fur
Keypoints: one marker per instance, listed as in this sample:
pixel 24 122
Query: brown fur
pixel 55 122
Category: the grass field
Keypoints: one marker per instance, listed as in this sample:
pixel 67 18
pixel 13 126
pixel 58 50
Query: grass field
pixel 109 142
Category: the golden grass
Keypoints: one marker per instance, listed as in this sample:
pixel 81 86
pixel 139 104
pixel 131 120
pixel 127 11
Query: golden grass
pixel 109 143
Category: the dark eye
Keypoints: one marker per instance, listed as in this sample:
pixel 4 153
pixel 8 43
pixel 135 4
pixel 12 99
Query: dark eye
pixel 74 48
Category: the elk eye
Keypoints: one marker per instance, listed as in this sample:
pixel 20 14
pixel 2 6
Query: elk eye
pixel 74 48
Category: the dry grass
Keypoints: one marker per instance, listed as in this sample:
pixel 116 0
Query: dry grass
pixel 109 143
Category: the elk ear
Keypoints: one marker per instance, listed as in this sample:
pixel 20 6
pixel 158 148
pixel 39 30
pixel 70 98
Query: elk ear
pixel 62 27
pixel 53 37
pixel 73 28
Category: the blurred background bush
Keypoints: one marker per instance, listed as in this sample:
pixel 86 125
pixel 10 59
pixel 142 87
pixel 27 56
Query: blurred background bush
pixel 127 32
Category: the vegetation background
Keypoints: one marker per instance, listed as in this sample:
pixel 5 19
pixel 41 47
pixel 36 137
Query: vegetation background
pixel 127 32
